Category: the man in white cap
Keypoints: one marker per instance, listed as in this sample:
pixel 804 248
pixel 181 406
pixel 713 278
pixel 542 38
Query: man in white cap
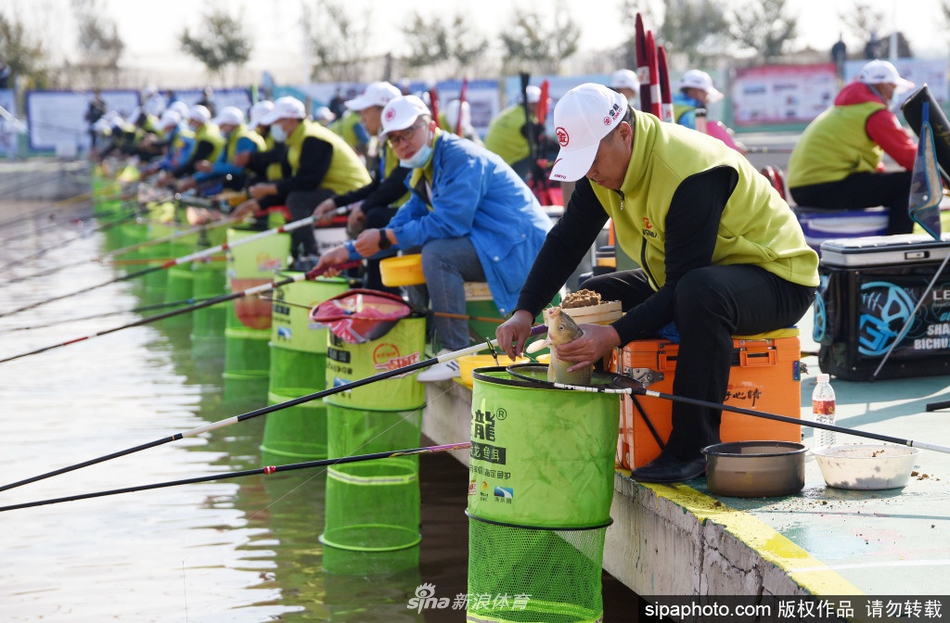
pixel 625 82
pixel 208 141
pixel 457 119
pixel 177 141
pixel 720 253
pixel 472 216
pixel 837 163
pixel 696 91
pixel 238 139
pixel 316 163
pixel 508 133
pixel 373 205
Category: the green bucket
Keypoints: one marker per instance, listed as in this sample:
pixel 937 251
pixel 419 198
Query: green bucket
pixel 259 259
pixel 297 433
pixel 291 326
pixel 253 264
pixel 179 286
pixel 403 345
pixel 208 323
pixel 541 457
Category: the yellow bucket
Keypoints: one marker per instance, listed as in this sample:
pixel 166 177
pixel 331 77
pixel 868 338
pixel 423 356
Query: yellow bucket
pixel 402 270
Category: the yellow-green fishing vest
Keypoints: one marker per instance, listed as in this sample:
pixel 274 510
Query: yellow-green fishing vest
pixel 504 135
pixel 274 170
pixel 210 133
pixel 757 227
pixel 344 127
pixel 237 134
pixel 835 145
pixel 346 171
pixel 390 162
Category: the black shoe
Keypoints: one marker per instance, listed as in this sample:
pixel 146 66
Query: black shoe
pixel 667 469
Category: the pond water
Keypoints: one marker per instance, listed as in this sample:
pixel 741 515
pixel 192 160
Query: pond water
pixel 236 550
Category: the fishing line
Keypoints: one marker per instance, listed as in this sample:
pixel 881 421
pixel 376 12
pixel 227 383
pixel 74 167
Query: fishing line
pixel 181 260
pixel 626 386
pixel 266 471
pixel 413 367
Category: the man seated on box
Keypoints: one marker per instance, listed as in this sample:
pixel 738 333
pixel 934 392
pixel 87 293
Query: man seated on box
pixel 720 253
pixel 837 162
pixel 472 216
pixel 316 164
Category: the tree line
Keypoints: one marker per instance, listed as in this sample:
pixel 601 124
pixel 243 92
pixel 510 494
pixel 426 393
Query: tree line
pixel 536 40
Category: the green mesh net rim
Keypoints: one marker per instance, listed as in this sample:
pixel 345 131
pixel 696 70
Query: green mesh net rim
pixel 332 542
pixel 607 523
pixel 535 376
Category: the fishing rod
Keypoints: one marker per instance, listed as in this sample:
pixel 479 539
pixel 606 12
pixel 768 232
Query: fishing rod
pixel 165 265
pixel 151 260
pixel 626 385
pixel 265 471
pixel 50 212
pixel 134 310
pixel 197 229
pixel 85 234
pixel 412 367
pixel 184 310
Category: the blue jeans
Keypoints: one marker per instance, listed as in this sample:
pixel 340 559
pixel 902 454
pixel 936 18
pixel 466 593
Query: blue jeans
pixel 447 264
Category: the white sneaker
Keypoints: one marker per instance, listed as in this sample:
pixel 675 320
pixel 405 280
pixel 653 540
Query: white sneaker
pixel 444 371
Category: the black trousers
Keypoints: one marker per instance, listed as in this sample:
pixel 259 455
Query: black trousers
pixel 863 190
pixel 710 306
pixel 301 204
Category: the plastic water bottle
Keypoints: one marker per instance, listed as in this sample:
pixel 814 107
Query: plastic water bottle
pixel 823 410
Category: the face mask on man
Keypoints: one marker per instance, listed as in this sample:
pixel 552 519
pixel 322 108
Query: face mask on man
pixel 277 132
pixel 421 157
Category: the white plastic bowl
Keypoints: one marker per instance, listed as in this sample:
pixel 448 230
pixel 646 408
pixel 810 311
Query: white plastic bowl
pixel 866 466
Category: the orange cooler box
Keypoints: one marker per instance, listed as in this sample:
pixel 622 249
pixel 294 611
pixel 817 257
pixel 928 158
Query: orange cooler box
pixel 765 376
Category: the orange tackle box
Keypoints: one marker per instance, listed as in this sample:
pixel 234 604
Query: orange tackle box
pixel 765 376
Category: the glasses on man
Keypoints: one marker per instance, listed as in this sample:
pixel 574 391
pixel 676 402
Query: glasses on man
pixel 395 138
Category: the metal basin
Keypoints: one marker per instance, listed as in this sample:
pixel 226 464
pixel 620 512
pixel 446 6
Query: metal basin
pixel 868 467
pixel 755 469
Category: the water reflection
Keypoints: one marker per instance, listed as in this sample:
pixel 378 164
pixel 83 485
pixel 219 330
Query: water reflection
pixel 232 551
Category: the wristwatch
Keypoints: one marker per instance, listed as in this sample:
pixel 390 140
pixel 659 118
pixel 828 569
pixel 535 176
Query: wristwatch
pixel 384 241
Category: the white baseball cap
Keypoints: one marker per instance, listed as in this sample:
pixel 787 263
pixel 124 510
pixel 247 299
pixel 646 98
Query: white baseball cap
pixel 323 113
pixel 376 94
pixel 286 107
pixel 258 111
pixel 533 93
pixel 452 115
pixel 401 112
pixel 231 115
pixel 696 79
pixel 179 106
pixel 585 115
pixel 199 113
pixel 624 79
pixel 169 118
pixel 883 72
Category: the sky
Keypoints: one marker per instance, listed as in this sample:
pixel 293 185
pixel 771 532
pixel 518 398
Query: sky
pixel 150 30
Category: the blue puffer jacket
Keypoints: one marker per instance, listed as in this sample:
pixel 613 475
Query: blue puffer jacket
pixel 475 194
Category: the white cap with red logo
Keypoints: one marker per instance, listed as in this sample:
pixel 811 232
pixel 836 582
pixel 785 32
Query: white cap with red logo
pixel 401 112
pixel 585 115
